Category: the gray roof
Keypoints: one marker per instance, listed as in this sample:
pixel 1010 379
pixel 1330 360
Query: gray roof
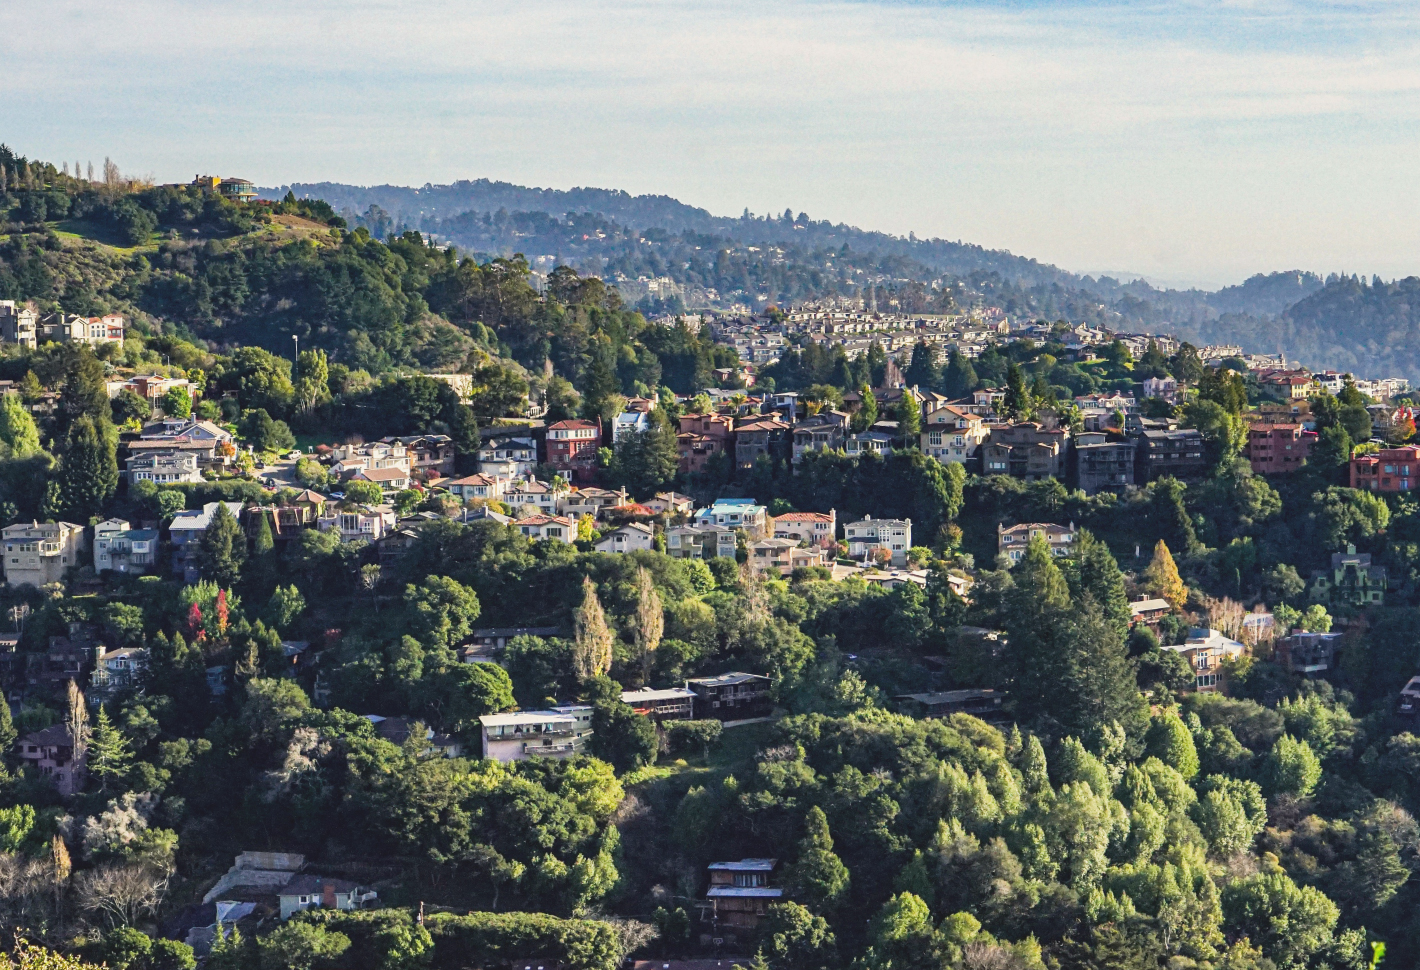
pixel 197 520
pixel 724 680
pixel 745 865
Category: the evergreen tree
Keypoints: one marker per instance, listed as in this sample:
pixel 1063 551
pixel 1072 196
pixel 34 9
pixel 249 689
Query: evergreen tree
pixel 819 876
pixel 1017 403
pixel 223 548
pixel 1096 684
pixel 959 379
pixel 1098 574
pixel 1162 579
pixel 1036 607
pixel 1171 742
pixel 8 734
pixel 109 754
pixel 867 413
pixel 922 369
pixel 1035 774
pixel 1169 516
pixel 909 420
pixel 88 475
pixel 262 574
pixel 18 430
pixel 650 623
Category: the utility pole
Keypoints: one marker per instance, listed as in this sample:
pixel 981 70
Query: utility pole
pixel 298 348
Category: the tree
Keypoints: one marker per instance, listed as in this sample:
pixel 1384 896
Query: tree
pixel 441 611
pixel 89 472
pixel 650 623
pixel 620 736
pixel 301 946
pixel 1017 403
pixel 8 734
pixel 366 493
pixel 959 379
pixel 313 380
pixel 110 757
pixel 818 876
pixel 177 403
pixel 1291 768
pixel 592 639
pixel 796 939
pixel 1170 741
pixel 18 431
pixel 1315 619
pixel 1162 579
pixel 259 429
pixel 1291 924
pixel 867 413
pixel 223 548
pixel 909 419
pixel 1099 575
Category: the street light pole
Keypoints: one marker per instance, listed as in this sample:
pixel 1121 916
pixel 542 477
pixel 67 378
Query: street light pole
pixel 298 348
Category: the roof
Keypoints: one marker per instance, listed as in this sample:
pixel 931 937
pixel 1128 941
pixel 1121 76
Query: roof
pixel 523 717
pixel 477 479
pixel 381 474
pixel 633 527
pixel 574 424
pixel 745 865
pixel 310 496
pixel 1144 606
pixel 200 519
pixel 310 884
pixel 1027 526
pixel 725 680
pixel 803 517
pixel 54 736
pixel 951 696
pixel 544 520
pixel 669 694
pixel 763 892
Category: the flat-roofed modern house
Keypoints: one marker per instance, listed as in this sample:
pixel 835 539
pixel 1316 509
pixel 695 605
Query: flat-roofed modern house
pixel 669 704
pixel 732 696
pixel 559 732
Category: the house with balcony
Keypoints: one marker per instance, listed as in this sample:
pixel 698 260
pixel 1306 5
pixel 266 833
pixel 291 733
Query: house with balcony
pixel 820 432
pixel 38 553
pixel 631 537
pixel 482 486
pixel 951 434
pixel 766 436
pixel 546 499
pixel 1352 580
pixel 1012 540
pixel 1277 448
pixel 353 521
pixel 1166 389
pixel 1103 463
pixel 783 556
pixel 572 448
pixel 19 324
pixel 1177 453
pixel 1206 650
pixel 429 455
pixel 123 549
pixel 694 451
pixel 669 704
pixel 118 670
pixel 1387 470
pixel 69 328
pixel 736 513
pixel 733 696
pixel 185 534
pixel 738 898
pixel 51 753
pixel 562 731
pixel 879 539
pixel 1028 451
pixel 858 445
pixel 701 542
pixel 1309 654
pixel 164 467
pixel 818 529
pixel 983 703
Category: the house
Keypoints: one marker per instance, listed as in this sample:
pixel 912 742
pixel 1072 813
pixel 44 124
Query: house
pixel 41 552
pixel 309 891
pixel 68 328
pixel 1205 650
pixel 286 521
pixel 821 432
pixel 481 486
pixel 1352 580
pixel 183 431
pixel 123 549
pixel 1309 653
pixel 389 479
pixel 1178 453
pixel 257 871
pixel 1166 389
pixel 670 704
pixel 671 503
pixel 1276 449
pixel 721 427
pixel 736 513
pixel 164 467
pixel 562 731
pixel 185 533
pixel 350 459
pixel 530 491
pixel 151 387
pixel 1386 470
pixel 694 451
pixel 982 703
pixel 857 445
pixel 495 638
pixel 555 528
pixel 398 730
pixel 739 897
pixel 592 501
pixel 1099 410
pixel 951 434
pixel 1011 541
pixel 1027 451
pixel 118 670
pixel 892 536
pixel 1149 611
pixel 766 436
pixel 818 529
pixel 701 542
pixel 572 447
pixel 508 457
pixel 51 752
pixel 631 537
pixel 1102 464
pixel 429 455
pixel 18 324
pixel 352 521
pixel 68 657
pixel 628 423
pixel 783 556
pixel 733 696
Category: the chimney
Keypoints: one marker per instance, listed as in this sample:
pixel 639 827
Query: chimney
pixel 327 896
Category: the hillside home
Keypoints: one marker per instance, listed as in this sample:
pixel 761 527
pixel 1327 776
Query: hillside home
pixel 739 897
pixel 821 432
pixel 733 696
pixel 670 704
pixel 1205 650
pixel 164 467
pixel 1387 470
pixel 309 891
pixel 879 539
pixel 736 513
pixel 701 542
pixel 41 552
pixel 951 434
pixel 1352 580
pixel 121 548
pixel 760 436
pixel 429 455
pixel 482 486
pixel 1026 451
pixel 1011 541
pixel 1102 463
pixel 572 447
pixel 1178 453
pixel 185 534
pixel 554 528
pixel 813 528
pixel 389 479
pixel 858 445
pixel 19 324
pixel 508 457
pixel 1277 449
pixel 631 537
pixel 352 521
pixel 51 753
pixel 562 731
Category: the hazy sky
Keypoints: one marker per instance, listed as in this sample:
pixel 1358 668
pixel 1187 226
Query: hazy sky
pixel 1188 141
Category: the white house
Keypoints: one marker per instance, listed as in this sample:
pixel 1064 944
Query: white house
pixel 865 538
pixel 631 537
pixel 557 528
pixel 559 732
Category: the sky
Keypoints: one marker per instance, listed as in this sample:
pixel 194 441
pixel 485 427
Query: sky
pixel 1191 142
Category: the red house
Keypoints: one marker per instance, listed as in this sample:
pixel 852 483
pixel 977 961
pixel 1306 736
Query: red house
pixel 1275 449
pixel 1387 470
pixel 572 447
